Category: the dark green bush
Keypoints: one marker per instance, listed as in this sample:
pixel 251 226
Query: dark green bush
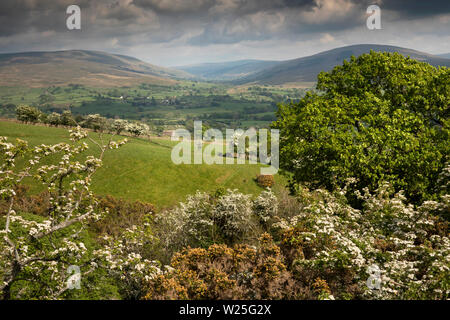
pixel 378 117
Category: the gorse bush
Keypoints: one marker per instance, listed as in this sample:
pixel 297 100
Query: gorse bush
pixel 218 246
pixel 221 272
pixel 378 117
pixel 367 217
pixel 265 180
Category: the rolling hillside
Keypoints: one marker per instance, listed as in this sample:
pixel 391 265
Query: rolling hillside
pixel 143 170
pixel 91 68
pixel 227 70
pixel 305 70
pixel 101 69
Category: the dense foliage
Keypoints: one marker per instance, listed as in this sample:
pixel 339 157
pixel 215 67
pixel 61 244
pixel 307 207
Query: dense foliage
pixel 326 250
pixel 378 117
pixel 28 114
pixel 367 217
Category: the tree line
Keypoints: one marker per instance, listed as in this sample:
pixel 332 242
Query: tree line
pixel 29 114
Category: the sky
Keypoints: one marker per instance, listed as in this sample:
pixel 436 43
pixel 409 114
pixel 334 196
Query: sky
pixel 181 32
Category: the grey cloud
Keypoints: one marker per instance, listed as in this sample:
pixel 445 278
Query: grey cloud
pixel 218 19
pixel 122 25
pixel 281 22
pixel 416 9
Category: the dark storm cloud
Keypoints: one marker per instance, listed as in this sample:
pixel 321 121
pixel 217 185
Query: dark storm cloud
pixel 18 16
pixel 260 20
pixel 124 25
pixel 415 9
pixel 213 21
pixel 237 7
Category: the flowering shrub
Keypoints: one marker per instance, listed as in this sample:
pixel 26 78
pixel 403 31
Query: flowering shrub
pixel 331 240
pixel 124 258
pixel 95 122
pixel 137 129
pixel 205 219
pixel 36 251
pixel 233 215
pixel 189 224
pixel 119 125
pixel 54 119
pixel 265 206
pixel 28 114
pixel 229 246
pixel 67 119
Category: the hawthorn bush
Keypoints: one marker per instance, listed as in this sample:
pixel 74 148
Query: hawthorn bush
pixel 332 240
pixel 127 259
pixel 28 114
pixel 95 122
pixel 36 251
pixel 225 217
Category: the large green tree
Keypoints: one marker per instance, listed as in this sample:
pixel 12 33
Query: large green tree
pixel 378 117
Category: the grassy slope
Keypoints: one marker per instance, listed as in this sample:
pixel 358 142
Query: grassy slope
pixel 142 170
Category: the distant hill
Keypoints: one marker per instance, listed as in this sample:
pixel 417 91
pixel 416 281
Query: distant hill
pixel 227 70
pixel 445 55
pixel 306 69
pixel 93 68
pixel 101 69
